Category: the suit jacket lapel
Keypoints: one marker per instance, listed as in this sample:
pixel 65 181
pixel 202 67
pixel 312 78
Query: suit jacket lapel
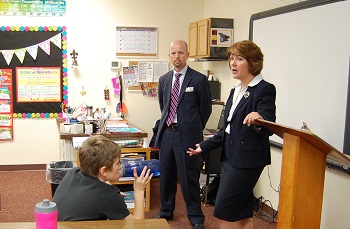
pixel 185 82
pixel 228 105
pixel 245 97
pixel 169 85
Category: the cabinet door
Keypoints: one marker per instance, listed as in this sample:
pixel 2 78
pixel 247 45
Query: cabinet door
pixel 202 38
pixel 192 42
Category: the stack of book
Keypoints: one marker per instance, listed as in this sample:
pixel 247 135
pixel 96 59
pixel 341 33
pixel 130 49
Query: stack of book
pixel 129 157
pixel 129 199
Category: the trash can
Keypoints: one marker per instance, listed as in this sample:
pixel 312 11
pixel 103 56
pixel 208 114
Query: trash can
pixel 55 171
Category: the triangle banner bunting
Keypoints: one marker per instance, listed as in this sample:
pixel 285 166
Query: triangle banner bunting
pixel 45 46
pixel 20 53
pixel 57 40
pixel 33 51
pixel 8 54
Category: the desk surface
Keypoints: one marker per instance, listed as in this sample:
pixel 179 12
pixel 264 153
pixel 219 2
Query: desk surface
pixel 107 135
pixel 137 223
pixel 125 135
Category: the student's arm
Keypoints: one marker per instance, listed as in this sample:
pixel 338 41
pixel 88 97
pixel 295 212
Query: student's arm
pixel 139 195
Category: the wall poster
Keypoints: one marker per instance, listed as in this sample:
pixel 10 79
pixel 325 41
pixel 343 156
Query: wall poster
pixel 33 7
pixel 41 84
pixel 6 105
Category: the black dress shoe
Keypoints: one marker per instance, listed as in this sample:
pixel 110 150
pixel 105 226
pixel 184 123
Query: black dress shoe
pixel 171 217
pixel 198 226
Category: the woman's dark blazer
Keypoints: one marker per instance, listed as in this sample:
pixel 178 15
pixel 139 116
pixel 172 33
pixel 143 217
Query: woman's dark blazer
pixel 249 146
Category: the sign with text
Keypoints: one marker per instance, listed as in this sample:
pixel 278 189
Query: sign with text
pixel 38 84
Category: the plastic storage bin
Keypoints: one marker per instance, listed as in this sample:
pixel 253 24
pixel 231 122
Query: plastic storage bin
pixel 55 171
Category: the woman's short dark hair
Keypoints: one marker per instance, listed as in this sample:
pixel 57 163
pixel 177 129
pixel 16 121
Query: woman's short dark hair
pixel 251 52
pixel 97 151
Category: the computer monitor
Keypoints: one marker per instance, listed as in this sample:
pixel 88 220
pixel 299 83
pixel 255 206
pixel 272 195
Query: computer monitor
pixel 215 90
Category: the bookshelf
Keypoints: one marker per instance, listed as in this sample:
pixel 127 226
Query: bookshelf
pixel 70 153
pixel 130 182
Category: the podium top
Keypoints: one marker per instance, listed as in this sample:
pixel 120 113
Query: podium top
pixel 332 153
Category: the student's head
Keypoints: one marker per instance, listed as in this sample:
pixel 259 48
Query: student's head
pixel 178 54
pixel 97 152
pixel 251 52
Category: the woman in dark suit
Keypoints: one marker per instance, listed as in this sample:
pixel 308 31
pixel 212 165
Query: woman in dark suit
pixel 245 145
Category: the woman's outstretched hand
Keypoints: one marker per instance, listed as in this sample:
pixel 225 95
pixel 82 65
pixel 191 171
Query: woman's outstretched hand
pixel 196 151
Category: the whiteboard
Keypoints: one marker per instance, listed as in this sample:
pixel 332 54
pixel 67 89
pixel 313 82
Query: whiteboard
pixel 306 56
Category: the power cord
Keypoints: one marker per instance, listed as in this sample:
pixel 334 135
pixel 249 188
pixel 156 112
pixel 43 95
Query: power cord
pixel 268 173
pixel 261 214
pixel 260 204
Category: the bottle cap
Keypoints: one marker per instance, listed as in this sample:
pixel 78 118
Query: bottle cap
pixel 45 206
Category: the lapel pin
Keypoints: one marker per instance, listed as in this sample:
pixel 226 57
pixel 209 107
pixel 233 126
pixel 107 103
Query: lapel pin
pixel 246 94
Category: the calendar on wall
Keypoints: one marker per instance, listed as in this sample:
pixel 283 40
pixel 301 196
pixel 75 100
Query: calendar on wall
pixel 136 41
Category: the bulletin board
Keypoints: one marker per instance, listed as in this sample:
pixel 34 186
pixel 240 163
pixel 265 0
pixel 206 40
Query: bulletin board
pixel 136 41
pixel 146 77
pixel 37 57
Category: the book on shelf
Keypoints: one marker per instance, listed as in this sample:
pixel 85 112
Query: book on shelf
pixel 133 155
pixel 114 129
pixel 129 196
pixel 127 142
pixel 126 178
pixel 129 199
pixel 130 160
pixel 132 204
pixel 129 154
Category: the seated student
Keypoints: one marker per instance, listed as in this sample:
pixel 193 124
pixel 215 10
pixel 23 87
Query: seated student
pixel 85 193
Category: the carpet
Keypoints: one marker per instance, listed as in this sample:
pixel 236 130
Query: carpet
pixel 21 190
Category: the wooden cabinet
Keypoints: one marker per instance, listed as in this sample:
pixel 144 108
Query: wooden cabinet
pixel 209 38
pixel 199 38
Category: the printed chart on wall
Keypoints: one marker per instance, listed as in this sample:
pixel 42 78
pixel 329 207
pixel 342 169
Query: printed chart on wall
pixel 41 84
pixel 6 105
pixel 33 8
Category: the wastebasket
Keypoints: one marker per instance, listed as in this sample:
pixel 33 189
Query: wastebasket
pixel 55 171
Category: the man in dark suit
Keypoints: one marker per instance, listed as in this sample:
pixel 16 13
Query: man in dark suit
pixel 182 122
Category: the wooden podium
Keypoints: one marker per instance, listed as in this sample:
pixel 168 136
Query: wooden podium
pixel 304 158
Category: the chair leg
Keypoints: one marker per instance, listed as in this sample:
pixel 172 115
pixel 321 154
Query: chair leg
pixel 206 195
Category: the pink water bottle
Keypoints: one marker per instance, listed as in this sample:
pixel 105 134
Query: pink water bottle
pixel 46 215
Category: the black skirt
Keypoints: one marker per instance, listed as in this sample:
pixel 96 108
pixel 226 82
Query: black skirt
pixel 235 200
